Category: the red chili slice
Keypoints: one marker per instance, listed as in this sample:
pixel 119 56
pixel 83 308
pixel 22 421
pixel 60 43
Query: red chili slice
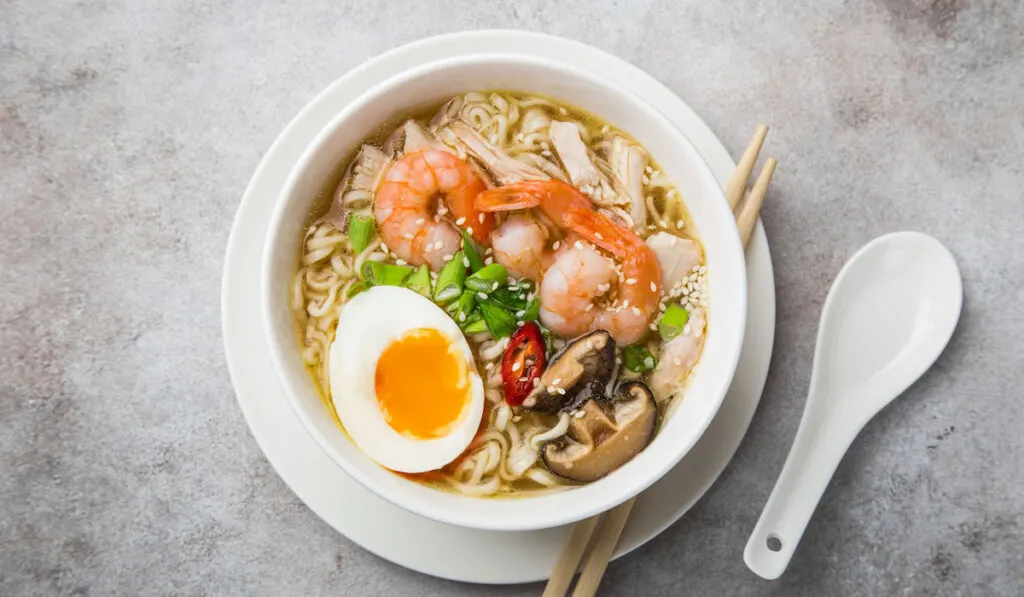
pixel 523 361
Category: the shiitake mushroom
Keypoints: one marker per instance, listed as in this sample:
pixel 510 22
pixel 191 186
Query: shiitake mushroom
pixel 607 435
pixel 580 371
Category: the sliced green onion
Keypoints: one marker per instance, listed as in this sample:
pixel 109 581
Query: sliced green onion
pixel 508 299
pixel 532 310
pixel 472 251
pixel 488 279
pixel 357 288
pixel 360 231
pixel 499 321
pixel 672 322
pixel 450 280
pixel 385 274
pixel 419 281
pixel 465 306
pixel 638 359
pixel 475 324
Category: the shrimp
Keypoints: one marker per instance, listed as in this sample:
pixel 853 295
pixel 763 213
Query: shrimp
pixel 520 243
pixel 623 298
pixel 407 213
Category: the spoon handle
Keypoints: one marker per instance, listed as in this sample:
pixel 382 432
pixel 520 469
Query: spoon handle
pixel 820 443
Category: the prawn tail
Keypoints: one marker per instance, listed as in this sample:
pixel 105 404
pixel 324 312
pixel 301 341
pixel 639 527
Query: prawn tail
pixel 521 195
pixel 599 230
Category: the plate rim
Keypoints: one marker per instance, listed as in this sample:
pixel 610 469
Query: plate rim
pixel 721 165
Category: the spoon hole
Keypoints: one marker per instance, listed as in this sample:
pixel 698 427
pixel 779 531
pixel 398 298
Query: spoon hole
pixel 774 543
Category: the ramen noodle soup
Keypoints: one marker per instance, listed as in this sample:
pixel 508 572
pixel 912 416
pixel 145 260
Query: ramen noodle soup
pixel 500 296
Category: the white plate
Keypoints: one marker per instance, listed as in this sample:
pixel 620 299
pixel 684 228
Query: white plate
pixel 379 526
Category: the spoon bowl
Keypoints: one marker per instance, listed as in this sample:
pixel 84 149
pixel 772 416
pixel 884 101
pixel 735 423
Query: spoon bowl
pixel 888 316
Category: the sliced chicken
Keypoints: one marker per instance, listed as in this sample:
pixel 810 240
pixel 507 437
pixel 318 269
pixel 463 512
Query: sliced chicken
pixel 676 257
pixel 363 175
pixel 628 161
pixel 565 137
pixel 505 168
pixel 409 137
pixel 678 357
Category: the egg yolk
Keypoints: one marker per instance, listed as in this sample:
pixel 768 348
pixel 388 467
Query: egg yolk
pixel 422 384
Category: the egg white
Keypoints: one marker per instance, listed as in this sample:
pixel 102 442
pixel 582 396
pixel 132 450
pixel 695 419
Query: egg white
pixel 368 324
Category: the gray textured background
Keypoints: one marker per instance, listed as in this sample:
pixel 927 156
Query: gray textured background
pixel 128 131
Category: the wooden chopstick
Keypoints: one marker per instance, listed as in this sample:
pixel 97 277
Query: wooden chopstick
pixel 738 183
pixel 746 218
pixel 600 553
pixel 604 545
pixel 569 559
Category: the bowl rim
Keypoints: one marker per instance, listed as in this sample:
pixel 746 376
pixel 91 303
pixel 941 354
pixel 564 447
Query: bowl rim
pixel 546 517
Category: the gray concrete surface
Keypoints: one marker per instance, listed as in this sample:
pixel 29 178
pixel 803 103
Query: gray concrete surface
pixel 128 131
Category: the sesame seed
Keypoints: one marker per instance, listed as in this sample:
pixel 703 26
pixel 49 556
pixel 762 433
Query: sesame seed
pixel 654 287
pixel 649 362
pixel 561 391
pixel 604 129
pixel 449 257
pixel 556 244
pixel 462 317
pixel 664 224
pixel 481 295
pixel 678 362
pixel 520 324
pixel 465 261
pixel 551 389
pixel 470 230
pixel 400 262
pixel 488 261
pixel 680 223
pixel 517 418
pixel 588 307
pixel 579 245
pixel 630 281
pixel 578 415
pixel 653 326
pixel 520 313
pixel 599 236
pixel 536 381
pixel 695 269
pixel 648 169
pixel 442 210
pixel 460 221
pixel 383 247
pixel 556 381
pixel 407 236
pixel 703 269
pixel 625 303
pixel 523 379
pixel 516 366
pixel 481 218
pixel 703 302
pixel 489 366
pixel 494 287
pixel 637 311
pixel 590 345
pixel 421 221
pixel 546 153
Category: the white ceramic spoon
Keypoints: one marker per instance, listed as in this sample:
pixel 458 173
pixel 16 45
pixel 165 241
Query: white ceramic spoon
pixel 889 315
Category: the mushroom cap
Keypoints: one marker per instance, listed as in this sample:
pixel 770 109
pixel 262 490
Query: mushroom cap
pixel 580 371
pixel 606 436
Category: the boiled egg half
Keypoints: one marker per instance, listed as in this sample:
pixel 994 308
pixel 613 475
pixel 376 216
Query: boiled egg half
pixel 403 379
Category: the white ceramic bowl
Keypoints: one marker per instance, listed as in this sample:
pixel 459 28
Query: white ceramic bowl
pixel 727 293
